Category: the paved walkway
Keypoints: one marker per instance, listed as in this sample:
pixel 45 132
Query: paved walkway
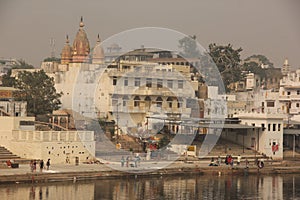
pixel 109 166
pixel 93 171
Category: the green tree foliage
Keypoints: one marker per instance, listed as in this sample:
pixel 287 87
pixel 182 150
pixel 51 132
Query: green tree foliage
pixel 38 91
pixel 254 68
pixel 189 47
pixel 7 80
pixel 254 64
pixel 22 64
pixel 52 59
pixel 227 60
pixel 260 59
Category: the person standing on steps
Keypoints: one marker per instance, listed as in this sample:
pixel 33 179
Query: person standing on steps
pixel 41 165
pixel 48 164
pixel 122 161
pixel 239 158
pixel 127 161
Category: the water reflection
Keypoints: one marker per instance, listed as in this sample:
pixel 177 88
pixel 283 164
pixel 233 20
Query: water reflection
pixel 183 187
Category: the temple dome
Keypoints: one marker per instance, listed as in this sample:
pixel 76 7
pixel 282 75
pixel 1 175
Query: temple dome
pixel 98 53
pixel 66 53
pixel 81 46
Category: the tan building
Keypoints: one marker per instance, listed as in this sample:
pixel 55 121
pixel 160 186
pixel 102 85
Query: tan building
pixel 129 86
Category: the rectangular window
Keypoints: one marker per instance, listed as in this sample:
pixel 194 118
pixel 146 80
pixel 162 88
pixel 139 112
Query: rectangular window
pixel 279 127
pixel 137 82
pixel 270 104
pixel 136 103
pixel 288 93
pixel 126 81
pixel 179 104
pixel 170 83
pixel 263 127
pixel 149 82
pixel 298 92
pixel 269 127
pixel 274 127
pixel 159 83
pixel 180 84
pixel 115 80
pixel 297 105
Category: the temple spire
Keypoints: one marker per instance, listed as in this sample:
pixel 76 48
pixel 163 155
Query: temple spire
pixel 81 24
pixel 67 39
pixel 98 53
pixel 81 46
pixel 66 54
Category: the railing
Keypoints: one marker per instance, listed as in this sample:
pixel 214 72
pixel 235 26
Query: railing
pixel 50 136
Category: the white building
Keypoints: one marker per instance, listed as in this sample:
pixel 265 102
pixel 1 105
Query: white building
pixel 268 139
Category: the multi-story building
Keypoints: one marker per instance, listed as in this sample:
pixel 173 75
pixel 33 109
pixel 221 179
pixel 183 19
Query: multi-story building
pixel 8 105
pixel 129 87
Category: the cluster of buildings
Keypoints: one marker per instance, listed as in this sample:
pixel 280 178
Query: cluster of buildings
pixel 145 91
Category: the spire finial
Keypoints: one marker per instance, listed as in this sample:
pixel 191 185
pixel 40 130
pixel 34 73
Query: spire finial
pixel 98 38
pixel 67 38
pixel 81 22
pixel 286 62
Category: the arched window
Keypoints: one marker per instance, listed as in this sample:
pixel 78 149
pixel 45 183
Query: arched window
pixel 147 98
pixel 136 101
pixel 170 101
pixel 159 101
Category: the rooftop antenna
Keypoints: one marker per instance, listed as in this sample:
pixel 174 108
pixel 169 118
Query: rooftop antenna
pixel 52 46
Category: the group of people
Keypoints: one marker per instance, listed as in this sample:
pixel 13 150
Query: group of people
pixel 136 160
pixel 33 165
pixel 228 161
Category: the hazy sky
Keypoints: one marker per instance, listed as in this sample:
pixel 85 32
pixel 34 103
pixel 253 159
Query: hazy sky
pixel 268 27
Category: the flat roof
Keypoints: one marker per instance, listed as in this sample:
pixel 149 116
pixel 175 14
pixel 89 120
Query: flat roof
pixel 227 126
pixel 291 131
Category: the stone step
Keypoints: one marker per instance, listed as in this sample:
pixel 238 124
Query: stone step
pixel 6 154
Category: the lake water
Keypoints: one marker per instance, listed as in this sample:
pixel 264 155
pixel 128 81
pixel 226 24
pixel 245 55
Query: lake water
pixel 179 187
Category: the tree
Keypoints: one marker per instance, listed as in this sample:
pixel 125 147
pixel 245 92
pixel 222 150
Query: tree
pixel 260 60
pixel 189 47
pixel 7 80
pixel 254 68
pixel 21 64
pixel 257 64
pixel 38 90
pixel 52 59
pixel 227 60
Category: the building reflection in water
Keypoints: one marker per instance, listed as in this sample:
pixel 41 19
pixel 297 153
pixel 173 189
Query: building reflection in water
pixel 179 187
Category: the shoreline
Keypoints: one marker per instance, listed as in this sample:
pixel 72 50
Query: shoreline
pixel 65 173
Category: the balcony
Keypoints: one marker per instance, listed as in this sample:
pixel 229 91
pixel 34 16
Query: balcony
pixel 284 97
